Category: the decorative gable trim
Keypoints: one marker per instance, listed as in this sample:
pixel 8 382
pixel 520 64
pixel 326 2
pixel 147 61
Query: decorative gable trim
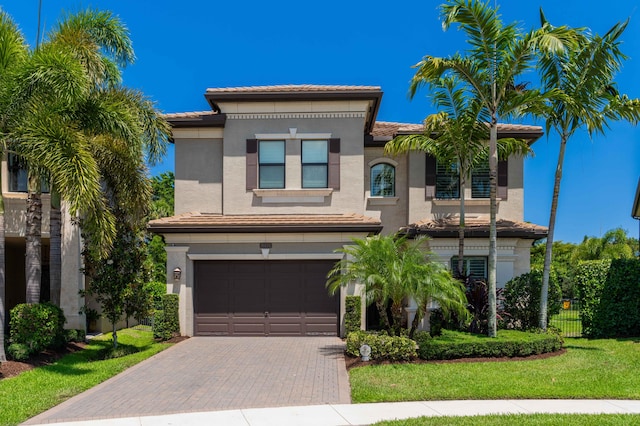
pixel 294 115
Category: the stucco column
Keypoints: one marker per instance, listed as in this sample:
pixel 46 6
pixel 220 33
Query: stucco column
pixel 177 258
pixel 72 281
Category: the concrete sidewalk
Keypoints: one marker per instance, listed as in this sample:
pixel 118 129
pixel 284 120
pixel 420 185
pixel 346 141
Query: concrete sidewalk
pixel 365 414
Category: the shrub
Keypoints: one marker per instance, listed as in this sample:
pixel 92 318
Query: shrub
pixel 18 351
pixel 38 326
pixel 159 329
pixel 171 308
pixel 383 346
pixel 610 295
pixel 166 322
pixel 353 314
pixel 522 300
pixel 508 343
pixel 74 335
pixel 156 289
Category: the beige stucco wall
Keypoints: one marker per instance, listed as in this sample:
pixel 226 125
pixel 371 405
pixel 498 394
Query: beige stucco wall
pixel 198 173
pixel 348 199
pixel 420 208
pixel 391 211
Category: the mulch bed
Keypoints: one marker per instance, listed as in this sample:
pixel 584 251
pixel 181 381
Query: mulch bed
pixel 14 368
pixel 353 362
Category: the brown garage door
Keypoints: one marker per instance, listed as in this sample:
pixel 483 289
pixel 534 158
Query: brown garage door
pixel 256 298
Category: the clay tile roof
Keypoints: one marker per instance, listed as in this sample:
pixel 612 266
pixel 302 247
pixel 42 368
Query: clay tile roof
pixel 390 129
pixel 189 115
pixel 475 227
pixel 292 88
pixel 209 222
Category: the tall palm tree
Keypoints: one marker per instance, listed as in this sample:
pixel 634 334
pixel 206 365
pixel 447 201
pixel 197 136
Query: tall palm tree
pixel 497 55
pixel 393 269
pixel 27 81
pixel 457 134
pixel 111 119
pixel 584 77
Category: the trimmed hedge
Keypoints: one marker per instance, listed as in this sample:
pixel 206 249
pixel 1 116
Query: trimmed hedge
pixel 508 343
pixel 166 322
pixel 38 326
pixel 383 346
pixel 353 314
pixel 610 296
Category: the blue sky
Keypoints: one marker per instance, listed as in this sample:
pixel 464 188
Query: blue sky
pixel 184 47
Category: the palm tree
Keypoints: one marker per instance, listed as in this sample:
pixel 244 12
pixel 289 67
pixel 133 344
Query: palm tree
pixel 614 244
pixel 27 81
pixel 393 269
pixel 498 54
pixel 456 135
pixel 583 76
pixel 117 124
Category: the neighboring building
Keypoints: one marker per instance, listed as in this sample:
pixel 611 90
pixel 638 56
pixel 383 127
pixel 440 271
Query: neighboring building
pixel 272 180
pixel 14 193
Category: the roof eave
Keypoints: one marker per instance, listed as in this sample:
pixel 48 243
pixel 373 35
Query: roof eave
pixel 189 229
pixel 635 211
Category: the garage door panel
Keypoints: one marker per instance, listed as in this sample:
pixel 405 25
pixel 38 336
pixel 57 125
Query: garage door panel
pixel 232 297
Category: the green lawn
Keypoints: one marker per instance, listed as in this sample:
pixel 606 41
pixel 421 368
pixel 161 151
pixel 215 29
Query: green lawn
pixel 589 369
pixel 38 390
pixel 522 419
pixel 568 321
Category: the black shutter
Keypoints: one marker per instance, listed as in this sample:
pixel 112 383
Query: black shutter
pixel 252 164
pixel 430 177
pixel 503 179
pixel 334 164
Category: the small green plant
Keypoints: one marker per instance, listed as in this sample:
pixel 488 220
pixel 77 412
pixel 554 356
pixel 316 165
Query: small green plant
pixel 18 351
pixel 383 346
pixel 38 326
pixel 353 314
pixel 74 335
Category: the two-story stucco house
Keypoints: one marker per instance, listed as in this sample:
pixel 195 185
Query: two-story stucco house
pixel 272 180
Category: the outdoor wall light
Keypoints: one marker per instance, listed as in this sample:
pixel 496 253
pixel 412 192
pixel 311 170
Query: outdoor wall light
pixel 365 352
pixel 265 248
pixel 177 273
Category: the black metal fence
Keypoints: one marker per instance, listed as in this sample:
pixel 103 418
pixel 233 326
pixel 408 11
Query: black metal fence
pixel 568 319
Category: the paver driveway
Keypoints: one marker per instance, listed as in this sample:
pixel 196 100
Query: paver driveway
pixel 218 373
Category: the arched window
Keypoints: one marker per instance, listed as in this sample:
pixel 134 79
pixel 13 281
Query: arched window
pixel 383 180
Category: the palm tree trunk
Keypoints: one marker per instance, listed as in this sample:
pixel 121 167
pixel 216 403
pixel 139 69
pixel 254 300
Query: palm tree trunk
pixel 463 185
pixel 544 292
pixel 493 234
pixel 55 249
pixel 3 357
pixel 33 260
pixel 382 311
pixel 420 312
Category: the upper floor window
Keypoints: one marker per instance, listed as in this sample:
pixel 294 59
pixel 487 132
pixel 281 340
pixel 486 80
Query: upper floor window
pixel 383 180
pixel 473 266
pixel 271 160
pixel 18 175
pixel 315 163
pixel 447 180
pixel 480 181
